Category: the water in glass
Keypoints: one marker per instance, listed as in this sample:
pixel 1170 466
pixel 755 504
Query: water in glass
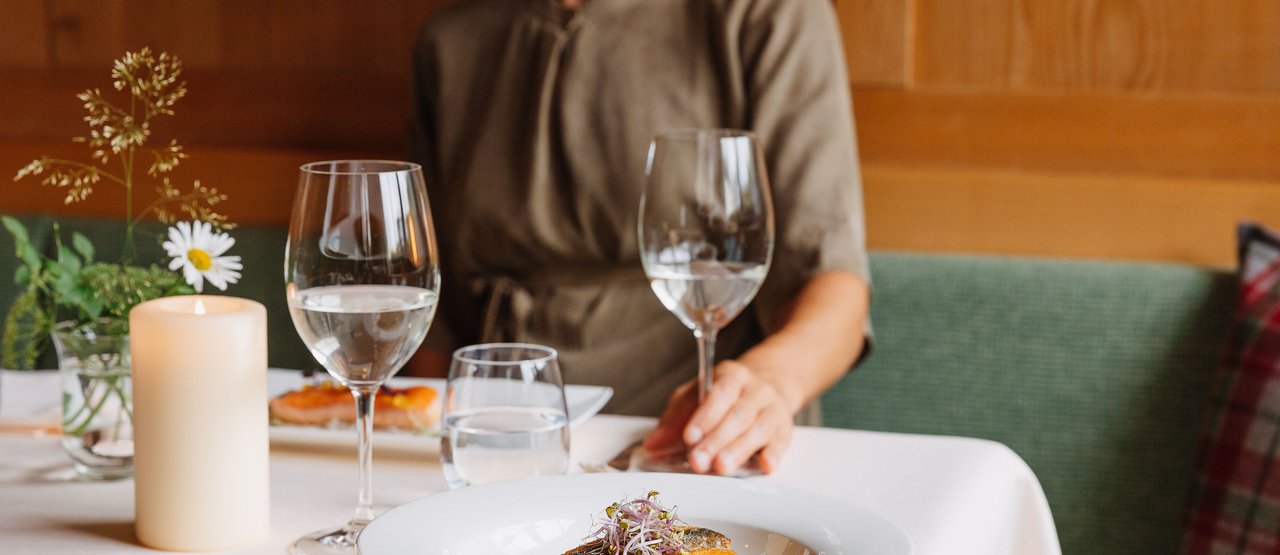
pixel 706 294
pixel 500 443
pixel 504 416
pixel 97 400
pixel 362 333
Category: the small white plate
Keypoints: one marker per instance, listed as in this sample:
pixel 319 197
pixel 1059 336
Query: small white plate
pixel 551 515
pixel 584 402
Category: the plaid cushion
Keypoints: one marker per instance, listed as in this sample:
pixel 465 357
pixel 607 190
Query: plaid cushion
pixel 1235 502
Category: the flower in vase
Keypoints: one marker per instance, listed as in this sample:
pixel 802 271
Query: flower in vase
pixel 197 250
pixel 65 282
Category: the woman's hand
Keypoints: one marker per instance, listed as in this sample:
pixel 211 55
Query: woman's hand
pixel 745 414
pixel 754 398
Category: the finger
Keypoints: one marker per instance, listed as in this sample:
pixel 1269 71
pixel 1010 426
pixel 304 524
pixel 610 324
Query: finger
pixel 756 437
pixel 736 423
pixel 771 455
pixel 725 392
pixel 680 407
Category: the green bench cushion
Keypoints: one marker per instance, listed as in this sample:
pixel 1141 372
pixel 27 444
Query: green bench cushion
pixel 1094 372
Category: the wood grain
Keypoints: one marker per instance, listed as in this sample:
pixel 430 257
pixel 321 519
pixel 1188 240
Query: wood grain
pixel 371 37
pixel 1112 128
pixel 1063 215
pixel 877 40
pixel 1229 136
pixel 303 110
pixel 1224 136
pixel 24 34
pixel 1100 45
pixel 86 33
pixel 192 30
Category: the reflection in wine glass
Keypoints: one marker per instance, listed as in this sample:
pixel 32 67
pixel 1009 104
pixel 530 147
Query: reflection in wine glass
pixel 706 238
pixel 361 278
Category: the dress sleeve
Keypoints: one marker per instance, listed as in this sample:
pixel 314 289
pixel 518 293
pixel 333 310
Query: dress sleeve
pixel 799 104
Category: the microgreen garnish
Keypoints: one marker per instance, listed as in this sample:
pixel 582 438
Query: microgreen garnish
pixel 641 526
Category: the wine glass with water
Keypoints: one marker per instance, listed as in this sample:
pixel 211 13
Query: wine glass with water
pixel 361 277
pixel 706 238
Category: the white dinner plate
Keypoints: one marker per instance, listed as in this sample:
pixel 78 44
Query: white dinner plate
pixel 551 515
pixel 584 402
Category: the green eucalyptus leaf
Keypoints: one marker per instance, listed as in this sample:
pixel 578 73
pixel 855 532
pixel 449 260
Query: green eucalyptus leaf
pixel 29 256
pixel 68 259
pixel 83 246
pixel 64 283
pixel 16 229
pixel 92 307
pixel 73 297
pixel 21 242
pixel 88 300
pixel 22 275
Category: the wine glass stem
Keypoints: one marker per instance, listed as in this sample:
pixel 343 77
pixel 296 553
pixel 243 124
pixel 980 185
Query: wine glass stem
pixel 706 362
pixel 364 435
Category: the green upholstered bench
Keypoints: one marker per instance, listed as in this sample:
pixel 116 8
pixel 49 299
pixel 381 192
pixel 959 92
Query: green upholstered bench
pixel 1094 372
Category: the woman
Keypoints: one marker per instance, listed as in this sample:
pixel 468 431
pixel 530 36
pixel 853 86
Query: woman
pixel 532 122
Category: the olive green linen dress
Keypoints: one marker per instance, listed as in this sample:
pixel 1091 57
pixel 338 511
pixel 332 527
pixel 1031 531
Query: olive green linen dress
pixel 533 122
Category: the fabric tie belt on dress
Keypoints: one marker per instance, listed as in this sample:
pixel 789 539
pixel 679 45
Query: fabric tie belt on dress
pixel 509 301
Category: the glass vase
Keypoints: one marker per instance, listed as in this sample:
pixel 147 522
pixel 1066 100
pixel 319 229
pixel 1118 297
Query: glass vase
pixel 97 398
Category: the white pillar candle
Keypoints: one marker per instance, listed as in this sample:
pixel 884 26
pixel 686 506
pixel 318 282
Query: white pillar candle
pixel 200 422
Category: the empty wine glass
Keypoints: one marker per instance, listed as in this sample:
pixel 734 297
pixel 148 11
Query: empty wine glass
pixel 361 277
pixel 706 238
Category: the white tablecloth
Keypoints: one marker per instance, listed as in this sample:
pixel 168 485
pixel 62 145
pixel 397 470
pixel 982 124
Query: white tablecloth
pixel 952 495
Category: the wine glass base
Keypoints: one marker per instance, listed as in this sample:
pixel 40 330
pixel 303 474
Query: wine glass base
pixel 341 541
pixel 677 461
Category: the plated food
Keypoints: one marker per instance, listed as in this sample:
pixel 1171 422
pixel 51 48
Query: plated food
pixel 517 517
pixel 643 526
pixel 328 403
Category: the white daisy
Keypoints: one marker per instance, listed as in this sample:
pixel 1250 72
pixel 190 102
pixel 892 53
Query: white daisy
pixel 198 251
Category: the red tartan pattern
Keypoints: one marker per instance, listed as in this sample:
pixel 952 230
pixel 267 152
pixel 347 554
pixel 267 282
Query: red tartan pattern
pixel 1235 503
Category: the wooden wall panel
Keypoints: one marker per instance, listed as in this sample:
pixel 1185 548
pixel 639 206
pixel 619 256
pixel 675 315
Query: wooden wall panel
pixel 23 34
pixel 291 35
pixel 192 30
pixel 398 24
pixel 1108 128
pixel 992 211
pixel 1067 215
pixel 1224 136
pixel 963 43
pixel 261 109
pixel 1100 45
pixel 307 35
pixel 877 40
pixel 297 34
pixel 86 33
pixel 1113 128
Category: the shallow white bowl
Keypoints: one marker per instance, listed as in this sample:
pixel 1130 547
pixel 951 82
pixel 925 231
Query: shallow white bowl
pixel 551 515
